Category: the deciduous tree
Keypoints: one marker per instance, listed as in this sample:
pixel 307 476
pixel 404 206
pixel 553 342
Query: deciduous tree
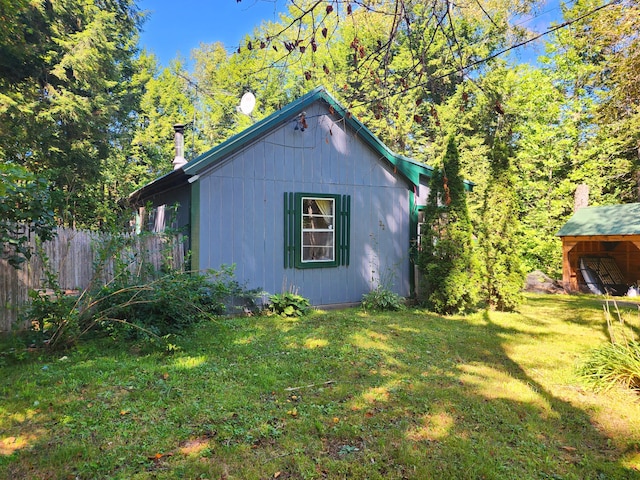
pixel 25 207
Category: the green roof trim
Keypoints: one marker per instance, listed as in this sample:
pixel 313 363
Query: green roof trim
pixel 409 168
pixel 606 220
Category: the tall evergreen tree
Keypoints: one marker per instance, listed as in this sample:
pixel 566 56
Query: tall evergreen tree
pixel 66 96
pixel 167 100
pixel 447 260
pixel 502 274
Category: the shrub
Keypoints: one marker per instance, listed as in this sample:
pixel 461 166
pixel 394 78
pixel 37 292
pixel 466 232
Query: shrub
pixel 169 305
pixel 142 304
pixel 382 299
pixel 502 274
pixel 52 315
pixel 446 257
pixel 288 304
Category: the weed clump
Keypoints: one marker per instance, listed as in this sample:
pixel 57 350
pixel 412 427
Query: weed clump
pixel 613 364
pixel 617 362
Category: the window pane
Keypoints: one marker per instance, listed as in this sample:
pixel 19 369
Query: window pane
pixel 320 239
pixel 317 254
pixel 318 215
pixel 317 222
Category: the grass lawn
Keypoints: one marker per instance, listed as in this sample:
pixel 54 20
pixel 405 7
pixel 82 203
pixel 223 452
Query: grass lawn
pixel 339 394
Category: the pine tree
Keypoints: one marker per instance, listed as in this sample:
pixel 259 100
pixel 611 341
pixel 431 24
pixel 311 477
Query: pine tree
pixel 446 258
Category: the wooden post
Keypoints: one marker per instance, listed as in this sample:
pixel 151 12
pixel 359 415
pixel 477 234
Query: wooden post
pixel 569 282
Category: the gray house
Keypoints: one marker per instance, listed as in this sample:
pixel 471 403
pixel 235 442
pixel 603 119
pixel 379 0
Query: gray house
pixel 307 198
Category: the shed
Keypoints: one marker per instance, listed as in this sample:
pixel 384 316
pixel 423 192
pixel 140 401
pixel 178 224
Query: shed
pixel 604 235
pixel 307 197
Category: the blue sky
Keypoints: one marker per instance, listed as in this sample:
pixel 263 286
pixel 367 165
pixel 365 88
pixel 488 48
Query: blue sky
pixel 176 27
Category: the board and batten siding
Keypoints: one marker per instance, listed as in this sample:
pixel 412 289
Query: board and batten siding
pixel 242 211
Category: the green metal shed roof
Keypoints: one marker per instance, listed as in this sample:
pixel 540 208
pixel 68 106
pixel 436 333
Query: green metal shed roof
pixel 606 220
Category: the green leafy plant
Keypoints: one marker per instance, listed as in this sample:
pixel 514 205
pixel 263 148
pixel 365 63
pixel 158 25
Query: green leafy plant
pixel 288 304
pixel 25 206
pixel 382 299
pixel 51 313
pixel 169 305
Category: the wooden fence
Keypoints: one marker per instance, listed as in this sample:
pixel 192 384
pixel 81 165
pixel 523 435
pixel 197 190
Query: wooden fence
pixel 79 259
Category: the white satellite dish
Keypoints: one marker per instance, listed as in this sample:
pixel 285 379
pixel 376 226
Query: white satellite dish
pixel 247 103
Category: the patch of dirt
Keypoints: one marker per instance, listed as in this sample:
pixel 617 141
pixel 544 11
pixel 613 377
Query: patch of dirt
pixel 195 445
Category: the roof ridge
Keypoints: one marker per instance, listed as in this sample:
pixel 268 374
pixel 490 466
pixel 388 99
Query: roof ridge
pixel 410 169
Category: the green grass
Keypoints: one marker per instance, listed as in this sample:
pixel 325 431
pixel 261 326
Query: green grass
pixel 338 394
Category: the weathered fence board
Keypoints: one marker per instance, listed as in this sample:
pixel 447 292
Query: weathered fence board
pixel 74 256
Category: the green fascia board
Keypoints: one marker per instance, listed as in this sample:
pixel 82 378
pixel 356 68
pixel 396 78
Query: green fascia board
pixel 410 169
pixel 249 135
pixel 604 220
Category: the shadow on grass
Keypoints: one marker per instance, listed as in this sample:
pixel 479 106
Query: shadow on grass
pixel 459 397
pixel 339 394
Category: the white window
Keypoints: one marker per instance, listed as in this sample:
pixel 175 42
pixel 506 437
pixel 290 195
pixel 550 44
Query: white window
pixel 318 229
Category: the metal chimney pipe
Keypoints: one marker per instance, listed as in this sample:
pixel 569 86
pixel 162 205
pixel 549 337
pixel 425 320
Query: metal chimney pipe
pixel 179 159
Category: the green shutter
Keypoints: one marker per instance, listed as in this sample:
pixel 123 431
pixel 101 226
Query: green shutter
pixel 345 229
pixel 289 230
pixel 414 240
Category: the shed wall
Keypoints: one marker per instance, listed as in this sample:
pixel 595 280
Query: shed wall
pixel 624 249
pixel 242 211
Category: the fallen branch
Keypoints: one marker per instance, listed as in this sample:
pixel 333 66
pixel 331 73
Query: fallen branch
pixel 291 389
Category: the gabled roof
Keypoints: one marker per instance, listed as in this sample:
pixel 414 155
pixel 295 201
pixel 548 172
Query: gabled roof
pixel 408 168
pixel 607 220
